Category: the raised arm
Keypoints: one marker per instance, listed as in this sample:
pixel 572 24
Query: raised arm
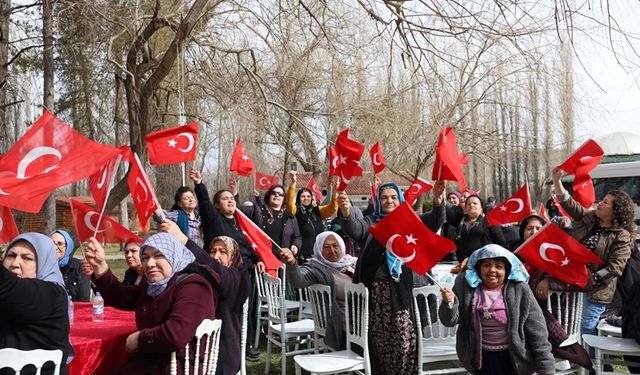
pixel 291 193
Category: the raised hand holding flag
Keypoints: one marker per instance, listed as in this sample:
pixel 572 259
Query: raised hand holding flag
pixel 174 145
pixel 406 236
pixel 560 255
pixel 514 209
pixel 241 163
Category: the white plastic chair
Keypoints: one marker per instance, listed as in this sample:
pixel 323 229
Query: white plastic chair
pixel 210 329
pixel 606 329
pixel 320 296
pixel 566 307
pixel 304 309
pixel 243 337
pixel 16 359
pixel 611 346
pixel 436 342
pixel 278 325
pixel 357 318
pixel 262 315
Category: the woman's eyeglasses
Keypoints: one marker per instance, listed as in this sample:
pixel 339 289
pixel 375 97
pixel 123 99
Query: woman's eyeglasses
pixel 277 194
pixel 59 243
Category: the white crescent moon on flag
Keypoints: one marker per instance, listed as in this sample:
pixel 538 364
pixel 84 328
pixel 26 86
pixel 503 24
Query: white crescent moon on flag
pixel 389 244
pixel 545 246
pixel 87 221
pixel 334 162
pixel 344 179
pixel 406 259
pixel 2 192
pixel 144 187
pixel 315 188
pixel 192 141
pixel 417 186
pixel 262 182
pixel 518 201
pixel 34 154
pixel 376 162
pixel 103 178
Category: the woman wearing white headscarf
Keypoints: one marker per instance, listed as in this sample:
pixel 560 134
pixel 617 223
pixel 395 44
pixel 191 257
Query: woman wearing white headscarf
pixel 328 266
pixel 33 301
pixel 172 300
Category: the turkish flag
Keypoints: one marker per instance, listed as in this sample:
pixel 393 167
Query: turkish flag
pixel 579 164
pixel 101 182
pixel 560 255
pixel 542 212
pixel 174 145
pixel 419 187
pixel 560 208
pixel 349 152
pixel 241 163
pixel 406 236
pixel 333 161
pixel 448 163
pixel 259 241
pixel 49 155
pixel 514 209
pixel 142 193
pixel 85 220
pixel 8 228
pixel 264 181
pixel 377 159
pixel 315 189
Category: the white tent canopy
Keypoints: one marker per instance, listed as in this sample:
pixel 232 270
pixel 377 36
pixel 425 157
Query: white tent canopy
pixel 621 143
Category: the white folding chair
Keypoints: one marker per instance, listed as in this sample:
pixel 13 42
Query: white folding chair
pixel 243 338
pixel 210 329
pixel 357 319
pixel 320 296
pixel 262 315
pixel 607 346
pixel 16 359
pixel 436 342
pixel 566 307
pixel 278 325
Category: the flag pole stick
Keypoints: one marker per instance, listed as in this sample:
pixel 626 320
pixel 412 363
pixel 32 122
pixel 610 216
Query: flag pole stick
pixel 112 176
pixel 434 281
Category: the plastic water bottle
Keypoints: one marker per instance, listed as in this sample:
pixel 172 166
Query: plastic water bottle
pixel 98 308
pixel 70 309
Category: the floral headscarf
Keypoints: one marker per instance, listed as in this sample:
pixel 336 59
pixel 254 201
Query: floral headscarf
pixel 233 249
pixel 517 273
pixel 345 261
pixel 177 255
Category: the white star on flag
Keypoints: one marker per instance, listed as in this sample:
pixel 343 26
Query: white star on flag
pixel 172 142
pixel 343 159
pixel 245 157
pixel 564 262
pixel 503 208
pixel 410 239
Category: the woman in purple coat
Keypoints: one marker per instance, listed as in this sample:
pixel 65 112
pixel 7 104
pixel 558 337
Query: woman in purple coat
pixel 170 303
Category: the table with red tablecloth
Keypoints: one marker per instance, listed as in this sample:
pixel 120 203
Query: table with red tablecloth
pixel 99 346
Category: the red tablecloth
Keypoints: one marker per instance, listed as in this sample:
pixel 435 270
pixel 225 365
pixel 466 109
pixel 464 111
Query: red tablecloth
pixel 99 347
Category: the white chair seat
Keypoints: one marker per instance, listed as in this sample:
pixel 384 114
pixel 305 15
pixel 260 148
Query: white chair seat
pixel 299 327
pixel 333 362
pixel 606 329
pixel 288 305
pixel 440 351
pixel 613 344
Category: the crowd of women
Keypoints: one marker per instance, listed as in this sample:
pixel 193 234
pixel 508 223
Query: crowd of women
pixel 200 265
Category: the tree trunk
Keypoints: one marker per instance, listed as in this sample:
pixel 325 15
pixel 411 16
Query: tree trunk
pixel 49 209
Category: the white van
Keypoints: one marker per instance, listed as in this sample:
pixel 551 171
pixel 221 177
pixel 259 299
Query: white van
pixel 623 176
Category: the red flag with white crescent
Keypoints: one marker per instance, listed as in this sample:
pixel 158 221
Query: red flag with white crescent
pixel 101 182
pixel 349 152
pixel 259 241
pixel 514 209
pixel 264 181
pixel 85 220
pixel 142 193
pixel 241 163
pixel 448 163
pixel 377 159
pixel 560 255
pixel 579 164
pixel 315 189
pixel 174 145
pixel 8 227
pixel 419 187
pixel 49 155
pixel 542 212
pixel 405 235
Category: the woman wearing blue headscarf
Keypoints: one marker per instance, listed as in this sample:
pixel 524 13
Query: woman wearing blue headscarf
pixel 78 286
pixel 33 302
pixel 392 337
pixel 172 300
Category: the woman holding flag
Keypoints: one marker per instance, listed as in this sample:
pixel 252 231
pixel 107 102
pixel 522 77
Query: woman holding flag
pixel 608 232
pixel 392 338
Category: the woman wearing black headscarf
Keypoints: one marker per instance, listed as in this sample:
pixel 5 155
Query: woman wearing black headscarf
pixel 309 216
